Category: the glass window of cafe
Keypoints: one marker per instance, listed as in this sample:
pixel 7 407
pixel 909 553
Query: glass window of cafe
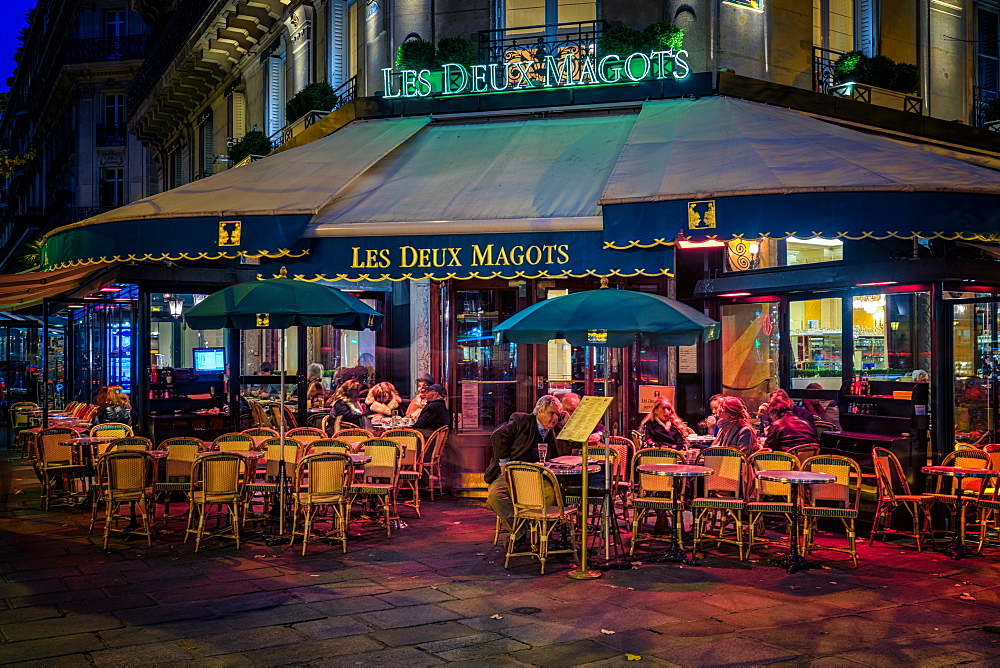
pixel 750 344
pixel 486 370
pixel 892 335
pixel 765 253
pixel 976 371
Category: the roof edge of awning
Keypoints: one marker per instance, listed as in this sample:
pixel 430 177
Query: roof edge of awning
pixel 900 188
pixel 459 227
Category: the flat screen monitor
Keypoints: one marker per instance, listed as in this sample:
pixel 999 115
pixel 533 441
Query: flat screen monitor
pixel 209 359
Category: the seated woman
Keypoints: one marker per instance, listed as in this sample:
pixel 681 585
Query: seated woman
pixel 662 426
pixel 735 430
pixel 383 399
pixel 114 407
pixel 315 392
pixel 786 429
pixel 418 402
pixel 347 405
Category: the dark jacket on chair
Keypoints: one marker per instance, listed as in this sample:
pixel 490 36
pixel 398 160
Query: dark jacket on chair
pixel 655 434
pixel 516 440
pixel 789 431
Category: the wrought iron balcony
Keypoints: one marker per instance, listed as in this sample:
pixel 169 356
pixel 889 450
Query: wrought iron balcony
pixel 980 98
pixel 111 134
pixel 534 43
pixel 74 214
pixel 127 47
pixel 823 62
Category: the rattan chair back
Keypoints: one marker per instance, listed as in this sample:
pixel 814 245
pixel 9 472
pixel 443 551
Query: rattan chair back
pixel 889 476
pixel 272 447
pixel 527 484
pixel 130 444
pixel 324 475
pixel 354 436
pixel 234 441
pixel 773 461
pixel 221 476
pixel 259 435
pixel 966 459
pixel 730 470
pixel 658 455
pixel 258 415
pixel 305 435
pixel 181 452
pixel 844 492
pixel 325 445
pixel 385 458
pixel 125 475
pixel 111 430
pixel 47 445
pixel 804 452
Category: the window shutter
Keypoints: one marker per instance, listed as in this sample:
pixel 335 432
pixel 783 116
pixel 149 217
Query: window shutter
pixel 238 106
pixel 866 27
pixel 207 152
pixel 988 48
pixel 338 42
pixel 275 94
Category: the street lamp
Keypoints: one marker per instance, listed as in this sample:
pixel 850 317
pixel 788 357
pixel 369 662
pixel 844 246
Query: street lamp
pixel 175 304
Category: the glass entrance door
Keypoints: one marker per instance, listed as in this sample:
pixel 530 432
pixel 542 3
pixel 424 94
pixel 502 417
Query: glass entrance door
pixel 977 371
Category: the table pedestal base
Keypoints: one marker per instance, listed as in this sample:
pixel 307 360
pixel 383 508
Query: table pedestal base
pixel 793 562
pixel 957 550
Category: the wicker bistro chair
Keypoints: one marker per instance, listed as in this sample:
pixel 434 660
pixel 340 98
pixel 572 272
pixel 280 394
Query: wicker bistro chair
pixel 327 445
pixel 651 492
pixel 259 435
pixel 234 442
pixel 52 460
pixel 216 478
pixel 894 492
pixel 125 477
pixel 322 480
pixel 722 499
pixel 766 497
pixel 804 452
pixel 130 444
pixel 354 436
pixel 276 410
pixel 111 430
pixel 381 478
pixel 305 435
pixel 317 421
pixel 258 415
pixel 538 508
pixel 181 453
pixel 265 482
pixel 20 420
pixel 946 487
pixel 988 502
pixel 436 443
pixel 411 466
pixel 839 499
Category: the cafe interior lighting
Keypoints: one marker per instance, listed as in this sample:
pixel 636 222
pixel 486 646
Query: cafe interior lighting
pixel 711 243
pixel 736 294
pixel 875 283
pixel 110 289
pixel 175 304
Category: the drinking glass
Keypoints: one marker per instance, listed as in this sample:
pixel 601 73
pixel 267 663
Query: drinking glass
pixel 543 451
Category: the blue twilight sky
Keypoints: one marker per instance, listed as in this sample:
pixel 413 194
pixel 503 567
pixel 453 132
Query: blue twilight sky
pixel 11 21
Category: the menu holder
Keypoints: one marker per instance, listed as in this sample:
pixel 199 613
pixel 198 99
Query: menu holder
pixel 585 418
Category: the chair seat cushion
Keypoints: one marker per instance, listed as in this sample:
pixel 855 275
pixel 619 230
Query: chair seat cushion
pixel 718 502
pixel 658 504
pixel 769 507
pixel 371 488
pixel 548 513
pixel 820 511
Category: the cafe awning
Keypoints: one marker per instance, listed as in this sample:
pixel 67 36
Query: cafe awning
pixel 481 199
pixel 257 210
pixel 27 289
pixel 719 167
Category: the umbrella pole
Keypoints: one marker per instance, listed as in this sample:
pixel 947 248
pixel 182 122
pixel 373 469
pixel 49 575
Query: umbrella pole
pixel 582 573
pixel 282 476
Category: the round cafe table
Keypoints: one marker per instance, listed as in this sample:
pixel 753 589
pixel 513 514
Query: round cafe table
pixel 794 561
pixel 956 548
pixel 678 472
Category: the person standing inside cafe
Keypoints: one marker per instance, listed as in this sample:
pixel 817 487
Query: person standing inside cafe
pixel 435 413
pixel 517 441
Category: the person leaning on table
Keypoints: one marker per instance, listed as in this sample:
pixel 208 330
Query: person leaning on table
pixel 517 440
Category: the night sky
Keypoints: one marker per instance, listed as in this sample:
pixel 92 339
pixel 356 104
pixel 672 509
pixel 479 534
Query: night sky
pixel 11 21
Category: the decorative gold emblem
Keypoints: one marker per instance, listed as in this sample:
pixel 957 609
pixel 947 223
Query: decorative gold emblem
pixel 263 319
pixel 229 232
pixel 597 336
pixel 701 214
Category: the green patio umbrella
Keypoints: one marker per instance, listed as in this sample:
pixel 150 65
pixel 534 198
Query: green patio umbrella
pixel 280 303
pixel 608 317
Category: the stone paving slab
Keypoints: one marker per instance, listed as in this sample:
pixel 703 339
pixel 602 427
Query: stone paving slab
pixel 436 592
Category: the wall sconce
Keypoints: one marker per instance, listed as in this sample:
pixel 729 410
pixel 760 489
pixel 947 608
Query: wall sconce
pixel 175 304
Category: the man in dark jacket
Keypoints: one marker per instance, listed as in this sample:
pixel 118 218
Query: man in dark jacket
pixel 517 440
pixel 435 414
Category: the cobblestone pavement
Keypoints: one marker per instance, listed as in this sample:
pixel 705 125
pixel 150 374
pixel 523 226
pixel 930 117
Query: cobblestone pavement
pixel 437 592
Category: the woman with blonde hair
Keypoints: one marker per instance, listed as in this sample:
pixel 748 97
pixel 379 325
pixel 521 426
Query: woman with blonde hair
pixel 735 430
pixel 347 405
pixel 383 399
pixel 114 407
pixel 662 426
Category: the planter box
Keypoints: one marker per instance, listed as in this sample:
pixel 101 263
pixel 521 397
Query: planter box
pixel 882 97
pixel 994 126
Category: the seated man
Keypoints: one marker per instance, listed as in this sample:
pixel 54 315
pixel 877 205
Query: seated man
pixel 517 440
pixel 434 414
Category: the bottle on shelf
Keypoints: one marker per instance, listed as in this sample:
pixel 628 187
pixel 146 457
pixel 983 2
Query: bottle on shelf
pixel 856 385
pixel 866 388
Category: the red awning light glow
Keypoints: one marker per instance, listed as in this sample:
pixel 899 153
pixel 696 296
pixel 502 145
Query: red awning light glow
pixel 75 306
pixel 110 290
pixel 875 283
pixel 736 294
pixel 712 243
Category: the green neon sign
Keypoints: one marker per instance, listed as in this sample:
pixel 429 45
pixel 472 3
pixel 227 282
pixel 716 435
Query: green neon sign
pixel 550 72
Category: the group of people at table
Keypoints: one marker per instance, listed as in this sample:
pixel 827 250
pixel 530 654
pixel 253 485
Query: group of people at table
pixel 785 426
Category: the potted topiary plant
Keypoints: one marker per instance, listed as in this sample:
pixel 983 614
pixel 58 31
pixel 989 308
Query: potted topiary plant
pixel 416 54
pixel 456 50
pixel 878 80
pixel 318 96
pixel 991 114
pixel 662 35
pixel 254 142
